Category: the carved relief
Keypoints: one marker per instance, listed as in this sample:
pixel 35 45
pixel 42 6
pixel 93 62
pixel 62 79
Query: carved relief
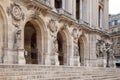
pixel 76 50
pixel 75 34
pixel 16 12
pixel 100 48
pixel 17 37
pixel 52 26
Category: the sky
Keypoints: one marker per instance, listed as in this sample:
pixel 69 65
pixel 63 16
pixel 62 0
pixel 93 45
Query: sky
pixel 114 6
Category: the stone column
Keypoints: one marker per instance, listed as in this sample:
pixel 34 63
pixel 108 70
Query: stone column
pixel 81 7
pixel 21 58
pixel 74 8
pixel 63 4
pixel 68 6
pixel 101 18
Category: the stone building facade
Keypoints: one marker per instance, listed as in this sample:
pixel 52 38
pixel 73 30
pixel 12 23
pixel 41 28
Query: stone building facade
pixel 114 30
pixel 53 32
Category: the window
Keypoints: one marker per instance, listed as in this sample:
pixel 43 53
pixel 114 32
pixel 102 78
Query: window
pixel 58 3
pixel 77 9
pixel 118 21
pixel 110 24
pixel 115 22
pixel 118 40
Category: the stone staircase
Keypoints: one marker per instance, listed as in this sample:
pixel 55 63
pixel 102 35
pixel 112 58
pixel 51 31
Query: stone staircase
pixel 38 72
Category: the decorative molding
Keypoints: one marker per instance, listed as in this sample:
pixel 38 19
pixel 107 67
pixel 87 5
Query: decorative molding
pixel 16 12
pixel 52 26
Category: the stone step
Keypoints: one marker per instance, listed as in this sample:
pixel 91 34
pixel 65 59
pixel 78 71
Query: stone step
pixel 38 72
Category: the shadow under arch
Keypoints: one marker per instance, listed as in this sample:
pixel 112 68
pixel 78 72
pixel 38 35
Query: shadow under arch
pixel 3 35
pixel 64 46
pixel 41 38
pixel 82 41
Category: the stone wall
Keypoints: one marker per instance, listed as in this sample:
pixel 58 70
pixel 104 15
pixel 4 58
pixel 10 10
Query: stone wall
pixel 38 72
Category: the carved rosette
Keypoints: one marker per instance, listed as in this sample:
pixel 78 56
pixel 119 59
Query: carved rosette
pixel 16 12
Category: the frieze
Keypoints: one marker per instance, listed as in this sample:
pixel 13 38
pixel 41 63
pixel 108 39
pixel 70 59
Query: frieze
pixel 16 12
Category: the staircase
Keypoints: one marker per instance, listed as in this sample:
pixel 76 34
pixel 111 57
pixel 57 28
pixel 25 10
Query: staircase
pixel 38 72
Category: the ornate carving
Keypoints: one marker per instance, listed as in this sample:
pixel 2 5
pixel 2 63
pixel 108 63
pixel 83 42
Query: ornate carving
pixel 16 12
pixel 17 37
pixel 52 26
pixel 54 45
pixel 109 52
pixel 76 50
pixel 75 33
pixel 100 48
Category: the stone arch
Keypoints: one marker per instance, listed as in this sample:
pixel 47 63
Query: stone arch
pixel 64 41
pixel 82 41
pixel 42 35
pixel 3 35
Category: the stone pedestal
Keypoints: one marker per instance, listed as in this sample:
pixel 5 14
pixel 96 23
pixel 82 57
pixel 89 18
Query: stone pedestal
pixel 71 61
pixel 101 62
pixel 54 59
pixel 21 57
pixel 11 57
pixel 76 61
pixel 47 59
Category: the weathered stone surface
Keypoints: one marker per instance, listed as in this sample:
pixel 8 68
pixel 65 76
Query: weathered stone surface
pixel 38 72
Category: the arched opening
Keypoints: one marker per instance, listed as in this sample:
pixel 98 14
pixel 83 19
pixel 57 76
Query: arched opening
pixel 31 44
pixel 81 51
pixel 62 48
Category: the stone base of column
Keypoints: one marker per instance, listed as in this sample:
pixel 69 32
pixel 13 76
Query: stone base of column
pixel 76 61
pixel 21 57
pixel 11 57
pixel 47 59
pixel 71 61
pixel 54 59
pixel 90 62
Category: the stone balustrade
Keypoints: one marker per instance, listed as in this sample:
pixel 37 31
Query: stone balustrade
pixel 38 72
